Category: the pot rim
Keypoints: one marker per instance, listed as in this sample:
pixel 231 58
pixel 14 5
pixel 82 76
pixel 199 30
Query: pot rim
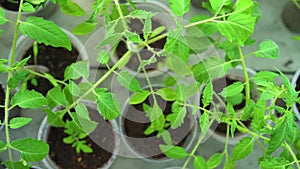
pixel 187 146
pixel 44 131
pixel 294 81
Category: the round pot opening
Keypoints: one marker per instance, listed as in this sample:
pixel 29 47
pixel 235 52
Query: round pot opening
pixel 291 16
pixel 134 122
pixel 103 140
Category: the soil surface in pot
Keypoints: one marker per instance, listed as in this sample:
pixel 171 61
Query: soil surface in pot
pixel 102 141
pixel 55 59
pixel 135 123
pixel 133 64
pixel 290 17
pixel 2 101
pixel 219 85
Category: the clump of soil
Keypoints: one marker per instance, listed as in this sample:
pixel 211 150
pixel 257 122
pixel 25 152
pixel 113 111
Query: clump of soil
pixel 56 59
pixel 137 26
pixel 102 141
pixel 135 123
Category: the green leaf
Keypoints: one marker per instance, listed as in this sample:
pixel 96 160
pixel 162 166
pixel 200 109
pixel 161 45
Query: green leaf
pixel 103 57
pixel 167 94
pixel 55 118
pixel 179 7
pixel 28 99
pixel 229 163
pixel 139 97
pixel 273 163
pixel 82 111
pixel 82 125
pixel 73 88
pixel 2 16
pixel 133 37
pixel 27 7
pixel 19 122
pixel 176 118
pixel 237 28
pixel 262 77
pixel 70 8
pixel 15 165
pixel 31 150
pixel 15 80
pixel 156 117
pixel 215 160
pixel 170 81
pixel 56 96
pixel 204 123
pixel 141 14
pixel 51 79
pixel 268 49
pixel 232 89
pixel 208 28
pixel 175 152
pixel 200 163
pixel 84 28
pixel 248 110
pixel 279 135
pixel 3 146
pixel 209 69
pixel 129 81
pixel 110 39
pixel 207 95
pixel 291 95
pixel 45 31
pixel 147 27
pixel 245 6
pixel 77 70
pixel 217 5
pixel 167 137
pixel 85 148
pixel 176 45
pixel 108 105
pixel 243 148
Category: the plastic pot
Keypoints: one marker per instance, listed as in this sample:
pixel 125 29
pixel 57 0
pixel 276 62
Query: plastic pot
pixel 134 144
pixel 294 83
pixel 44 132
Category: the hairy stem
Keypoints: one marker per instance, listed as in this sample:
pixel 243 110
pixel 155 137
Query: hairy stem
pixel 246 76
pixel 288 147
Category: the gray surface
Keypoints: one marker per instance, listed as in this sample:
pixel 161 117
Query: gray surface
pixel 270 26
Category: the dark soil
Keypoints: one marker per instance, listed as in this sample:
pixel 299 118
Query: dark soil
pixel 2 101
pixel 101 140
pixel 290 17
pixel 298 89
pixel 281 103
pixel 219 85
pixel 9 5
pixel 135 123
pixel 133 64
pixel 55 59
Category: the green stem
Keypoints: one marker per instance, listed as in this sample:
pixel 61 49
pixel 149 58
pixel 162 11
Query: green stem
pixel 123 59
pixel 43 76
pixel 195 148
pixel 7 92
pixel 297 4
pixel 227 139
pixel 246 76
pixel 288 147
pixel 121 14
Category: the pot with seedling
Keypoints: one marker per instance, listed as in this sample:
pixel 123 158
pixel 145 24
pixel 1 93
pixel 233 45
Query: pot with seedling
pixel 149 119
pixel 47 61
pixel 89 142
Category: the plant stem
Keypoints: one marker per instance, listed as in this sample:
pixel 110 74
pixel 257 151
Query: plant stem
pixel 106 75
pixel 195 147
pixel 288 147
pixel 297 4
pixel 7 93
pixel 227 139
pixel 246 76
pixel 121 14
